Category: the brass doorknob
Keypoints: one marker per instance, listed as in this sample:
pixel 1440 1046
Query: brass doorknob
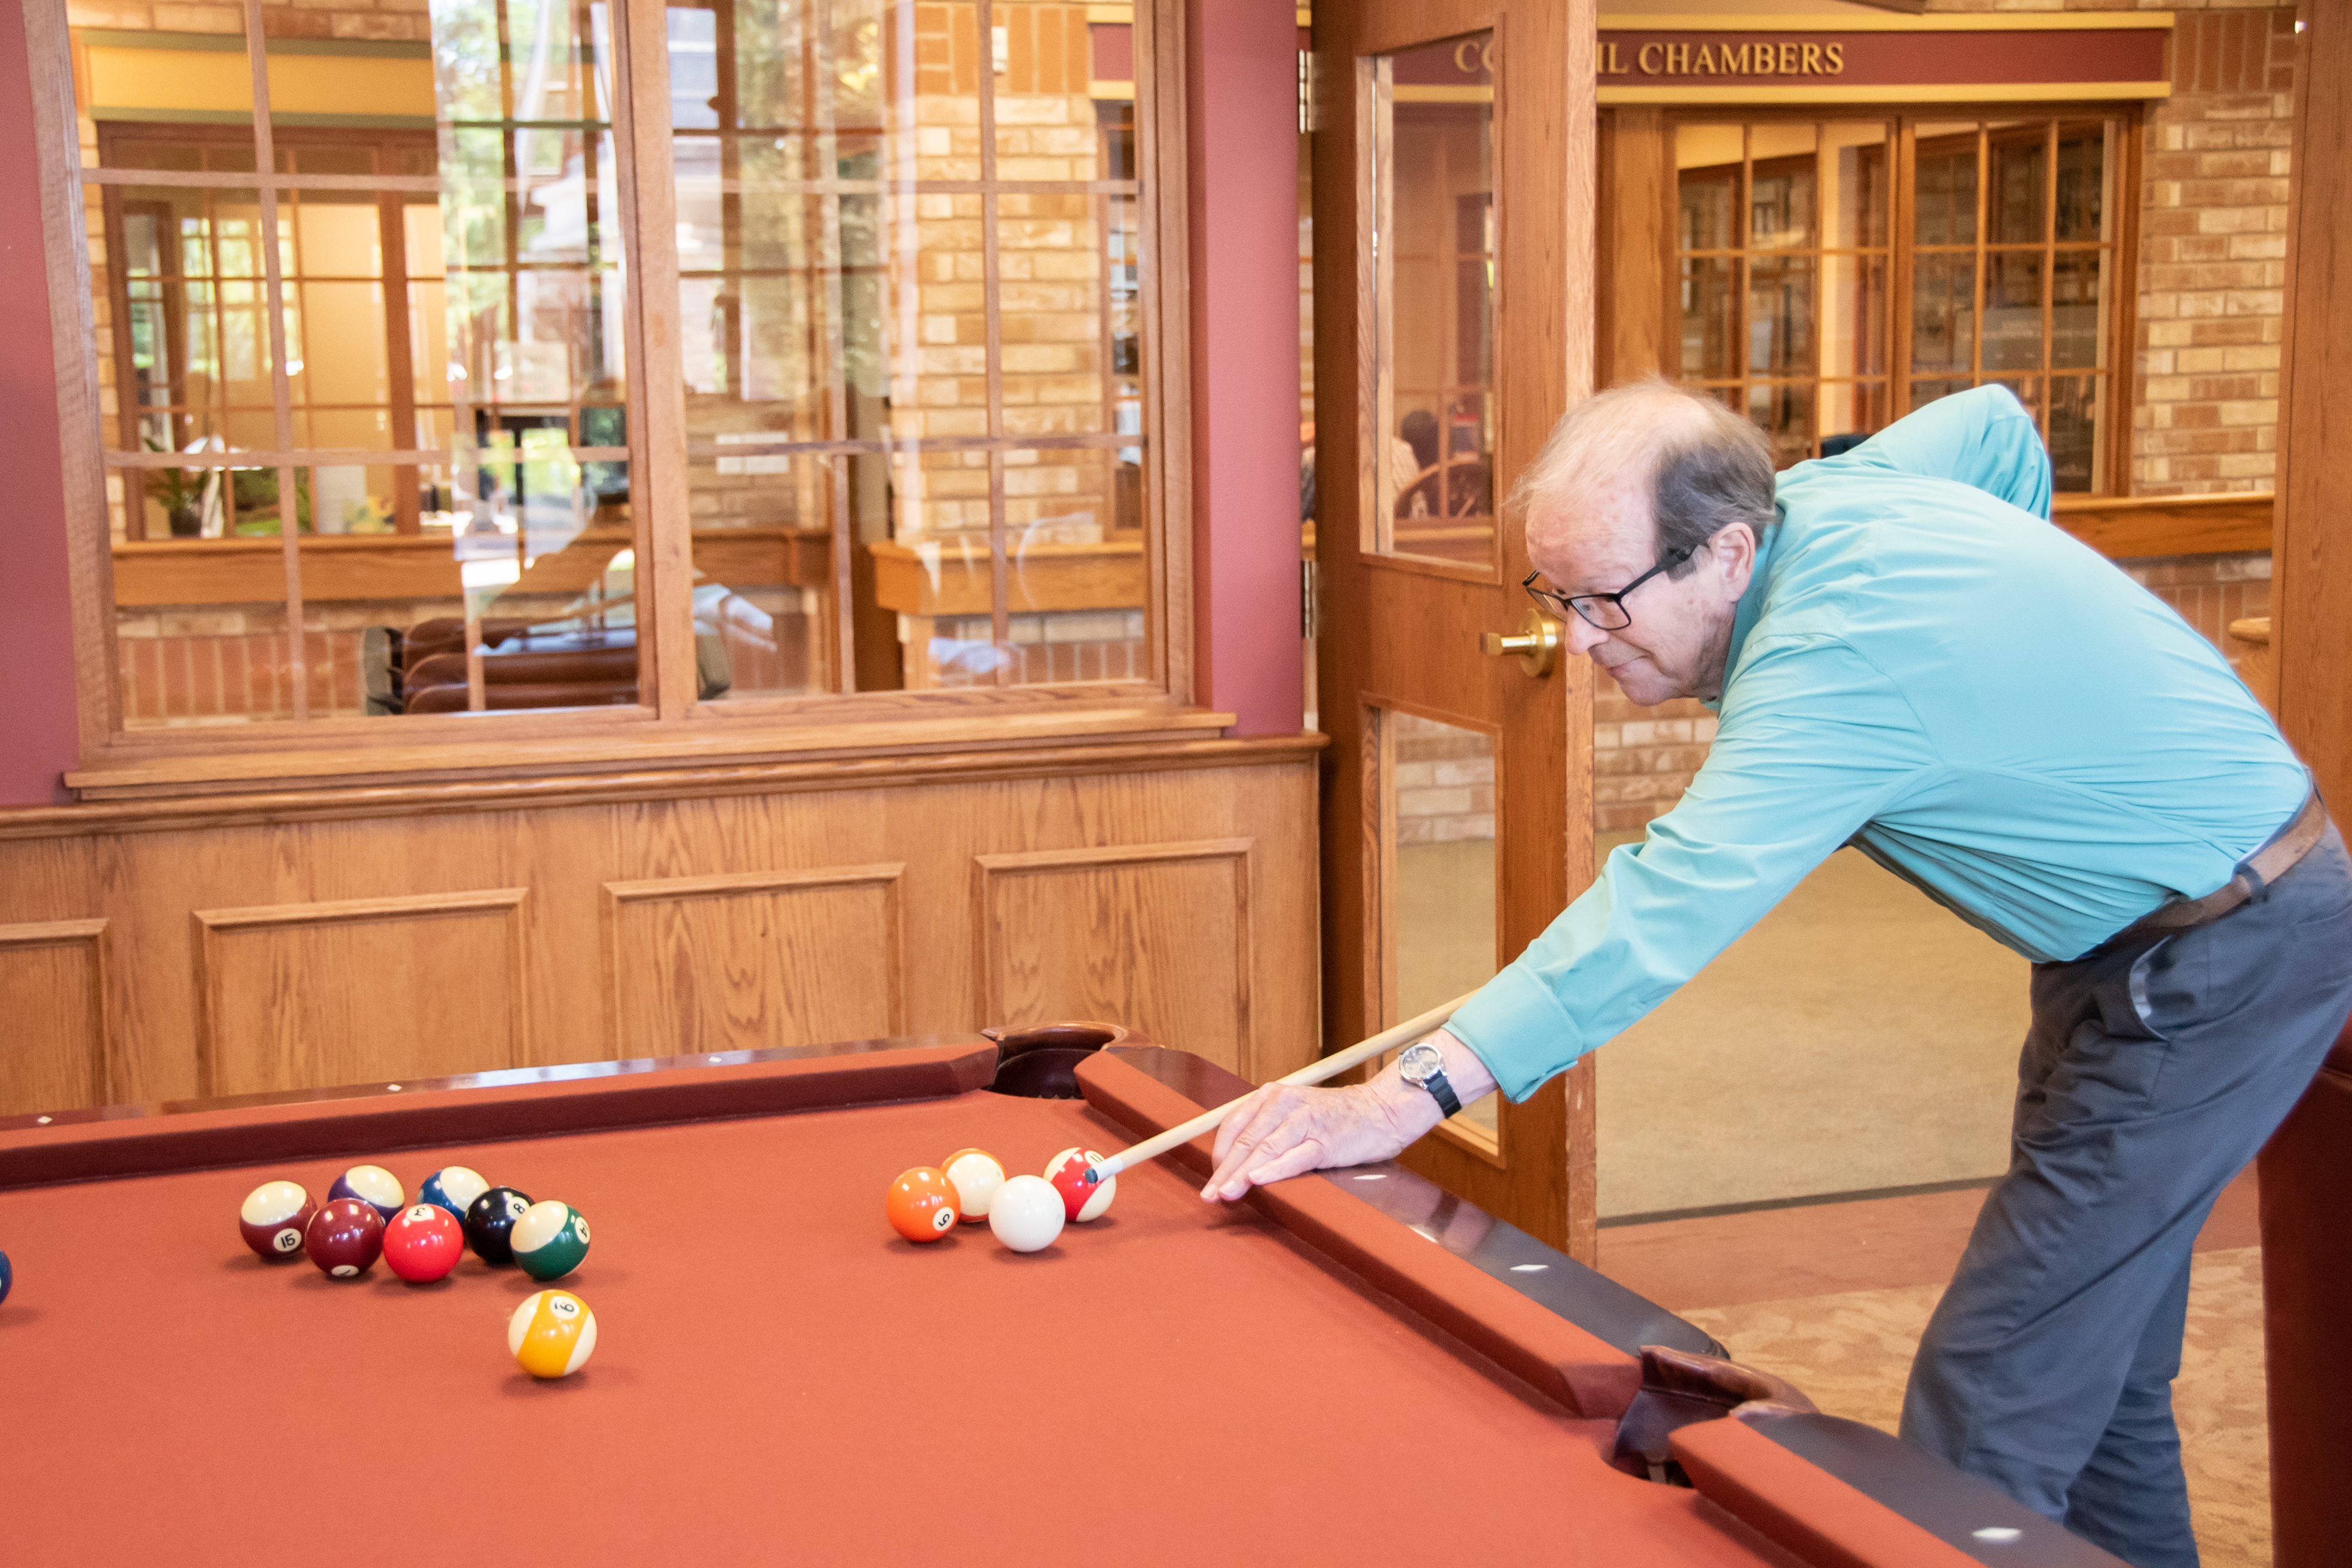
pixel 1537 644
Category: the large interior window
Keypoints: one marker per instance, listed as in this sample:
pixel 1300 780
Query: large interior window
pixel 1824 294
pixel 399 390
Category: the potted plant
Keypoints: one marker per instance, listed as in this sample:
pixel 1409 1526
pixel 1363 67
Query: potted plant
pixel 180 492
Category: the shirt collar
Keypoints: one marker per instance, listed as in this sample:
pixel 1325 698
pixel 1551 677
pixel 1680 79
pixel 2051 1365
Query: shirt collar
pixel 1751 607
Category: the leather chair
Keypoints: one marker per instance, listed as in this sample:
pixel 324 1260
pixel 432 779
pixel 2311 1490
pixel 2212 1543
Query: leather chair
pixel 2305 1177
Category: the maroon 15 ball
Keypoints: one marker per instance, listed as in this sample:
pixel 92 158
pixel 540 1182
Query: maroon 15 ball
pixel 345 1238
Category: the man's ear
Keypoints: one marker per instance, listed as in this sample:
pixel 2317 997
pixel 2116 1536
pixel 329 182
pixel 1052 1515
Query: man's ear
pixel 1735 551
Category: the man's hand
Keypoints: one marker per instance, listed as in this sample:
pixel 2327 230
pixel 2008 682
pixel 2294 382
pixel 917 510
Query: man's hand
pixel 1282 1131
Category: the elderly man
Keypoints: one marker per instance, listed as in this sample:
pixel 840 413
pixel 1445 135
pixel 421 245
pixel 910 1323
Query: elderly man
pixel 1908 657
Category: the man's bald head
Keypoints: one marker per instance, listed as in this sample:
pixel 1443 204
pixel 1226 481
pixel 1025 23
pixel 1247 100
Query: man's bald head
pixel 1701 464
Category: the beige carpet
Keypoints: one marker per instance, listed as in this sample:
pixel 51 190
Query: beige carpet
pixel 1857 1037
pixel 1852 1352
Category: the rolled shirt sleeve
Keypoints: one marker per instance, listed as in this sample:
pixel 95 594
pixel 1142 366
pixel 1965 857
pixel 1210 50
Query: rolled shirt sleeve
pixel 1814 743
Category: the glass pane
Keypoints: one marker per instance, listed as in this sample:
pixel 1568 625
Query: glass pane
pixel 1944 197
pixel 1925 392
pixel 1434 491
pixel 2077 322
pixel 1785 412
pixel 898 387
pixel 1943 312
pixel 1708 319
pixel 1853 316
pixel 2020 162
pixel 1707 197
pixel 1780 317
pixel 1848 411
pixel 1440 799
pixel 451 370
pixel 2082 165
pixel 2012 318
pixel 2077 419
pixel 1854 206
pixel 1781 190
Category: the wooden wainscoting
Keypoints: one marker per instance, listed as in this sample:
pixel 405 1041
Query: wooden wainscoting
pixel 750 959
pixel 279 1003
pixel 53 976
pixel 237 943
pixel 1156 936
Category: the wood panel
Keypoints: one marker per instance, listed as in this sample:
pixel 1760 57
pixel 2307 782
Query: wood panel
pixel 359 990
pixel 746 959
pixel 270 867
pixel 1156 936
pixel 53 973
pixel 2151 526
pixel 954 578
pixel 422 566
pixel 2312 559
pixel 1637 256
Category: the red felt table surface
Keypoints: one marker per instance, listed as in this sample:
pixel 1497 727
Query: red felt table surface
pixel 779 1378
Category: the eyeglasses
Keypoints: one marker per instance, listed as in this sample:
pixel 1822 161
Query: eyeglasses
pixel 1605 612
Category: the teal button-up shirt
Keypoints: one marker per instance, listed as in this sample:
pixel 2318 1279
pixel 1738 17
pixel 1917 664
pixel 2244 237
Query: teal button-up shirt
pixel 1926 668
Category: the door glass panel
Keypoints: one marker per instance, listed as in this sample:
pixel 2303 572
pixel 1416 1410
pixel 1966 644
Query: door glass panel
pixel 1433 245
pixel 1437 793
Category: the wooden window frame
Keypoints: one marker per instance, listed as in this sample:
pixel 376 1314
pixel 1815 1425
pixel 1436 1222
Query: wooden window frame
pixel 2113 458
pixel 670 727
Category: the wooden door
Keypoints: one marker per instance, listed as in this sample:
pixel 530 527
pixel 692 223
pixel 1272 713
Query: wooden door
pixel 1453 148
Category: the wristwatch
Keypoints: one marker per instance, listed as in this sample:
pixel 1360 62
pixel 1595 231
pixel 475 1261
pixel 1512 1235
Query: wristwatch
pixel 1424 1066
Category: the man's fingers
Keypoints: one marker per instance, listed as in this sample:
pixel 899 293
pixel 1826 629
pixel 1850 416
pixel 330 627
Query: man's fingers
pixel 1262 1130
pixel 1238 1117
pixel 1301 1157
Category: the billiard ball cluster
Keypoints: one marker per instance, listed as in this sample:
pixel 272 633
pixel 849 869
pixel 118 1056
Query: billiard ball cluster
pixel 368 1215
pixel 1026 1213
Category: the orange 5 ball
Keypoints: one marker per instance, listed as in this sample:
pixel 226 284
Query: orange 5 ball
pixel 922 1204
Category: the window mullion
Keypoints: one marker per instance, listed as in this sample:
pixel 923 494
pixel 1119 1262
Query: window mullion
pixel 281 395
pixel 657 372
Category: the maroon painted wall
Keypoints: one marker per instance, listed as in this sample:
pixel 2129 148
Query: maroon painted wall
pixel 39 735
pixel 1242 129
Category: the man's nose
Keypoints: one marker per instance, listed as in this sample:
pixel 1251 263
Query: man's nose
pixel 1581 635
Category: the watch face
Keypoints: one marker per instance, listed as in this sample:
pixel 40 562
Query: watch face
pixel 1418 1061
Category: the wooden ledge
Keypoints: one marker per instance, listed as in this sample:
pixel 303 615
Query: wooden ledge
pixel 681 781
pixel 2142 527
pixel 358 753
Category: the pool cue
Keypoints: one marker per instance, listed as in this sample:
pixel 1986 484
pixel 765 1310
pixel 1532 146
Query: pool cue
pixel 1331 1066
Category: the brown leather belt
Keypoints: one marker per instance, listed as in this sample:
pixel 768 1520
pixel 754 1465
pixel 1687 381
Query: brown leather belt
pixel 2257 871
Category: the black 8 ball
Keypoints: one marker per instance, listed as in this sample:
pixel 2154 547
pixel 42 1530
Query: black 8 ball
pixel 490 1222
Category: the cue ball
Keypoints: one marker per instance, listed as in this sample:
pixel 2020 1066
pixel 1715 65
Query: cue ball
pixel 975 1174
pixel 490 1222
pixel 454 1188
pixel 374 1186
pixel 273 1218
pixel 422 1243
pixel 7 1277
pixel 345 1238
pixel 1067 1171
pixel 921 1204
pixel 1027 1214
pixel 551 1334
pixel 549 1239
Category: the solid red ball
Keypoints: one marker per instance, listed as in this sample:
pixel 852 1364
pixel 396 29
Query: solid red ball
pixel 344 1238
pixel 422 1243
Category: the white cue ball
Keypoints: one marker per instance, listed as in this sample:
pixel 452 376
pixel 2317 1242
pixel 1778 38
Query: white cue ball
pixel 1026 1214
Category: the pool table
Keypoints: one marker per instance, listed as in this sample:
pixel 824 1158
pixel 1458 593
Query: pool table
pixel 1352 1367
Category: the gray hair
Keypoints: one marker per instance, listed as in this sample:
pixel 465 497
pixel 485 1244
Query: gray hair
pixel 1707 467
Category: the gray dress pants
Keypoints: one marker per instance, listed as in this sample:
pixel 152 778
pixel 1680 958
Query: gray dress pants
pixel 2154 1071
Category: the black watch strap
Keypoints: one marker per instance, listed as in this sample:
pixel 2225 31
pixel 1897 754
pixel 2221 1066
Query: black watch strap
pixel 1434 1081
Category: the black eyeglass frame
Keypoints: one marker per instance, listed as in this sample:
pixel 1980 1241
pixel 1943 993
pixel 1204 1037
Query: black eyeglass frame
pixel 1559 605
